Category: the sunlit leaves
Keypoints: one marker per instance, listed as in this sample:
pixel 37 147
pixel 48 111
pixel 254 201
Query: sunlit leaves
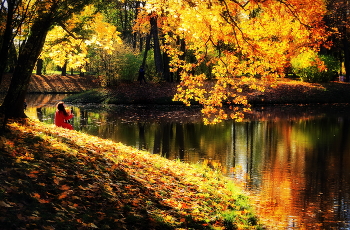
pixel 251 39
pixel 69 43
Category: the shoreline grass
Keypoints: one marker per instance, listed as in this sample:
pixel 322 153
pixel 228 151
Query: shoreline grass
pixel 60 179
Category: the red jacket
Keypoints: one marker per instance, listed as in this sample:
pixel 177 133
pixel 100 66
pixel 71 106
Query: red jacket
pixel 61 120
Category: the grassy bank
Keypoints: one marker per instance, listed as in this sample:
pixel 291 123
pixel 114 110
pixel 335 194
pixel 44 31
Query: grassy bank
pixel 54 178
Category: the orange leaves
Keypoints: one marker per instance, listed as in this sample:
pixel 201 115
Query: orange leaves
pixel 33 174
pixel 38 197
pixel 64 187
pixel 110 182
pixel 255 40
pixel 63 195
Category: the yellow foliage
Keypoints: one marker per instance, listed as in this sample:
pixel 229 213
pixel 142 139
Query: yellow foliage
pixel 64 46
pixel 240 40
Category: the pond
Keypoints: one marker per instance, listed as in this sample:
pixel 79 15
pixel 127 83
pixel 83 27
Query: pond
pixel 295 161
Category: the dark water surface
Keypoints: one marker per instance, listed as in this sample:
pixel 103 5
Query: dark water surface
pixel 294 160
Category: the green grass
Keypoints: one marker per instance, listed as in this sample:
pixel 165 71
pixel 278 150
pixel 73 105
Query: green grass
pixel 91 96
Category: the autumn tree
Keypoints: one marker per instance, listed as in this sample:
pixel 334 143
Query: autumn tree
pixel 43 15
pixel 68 44
pixel 245 44
pixel 122 14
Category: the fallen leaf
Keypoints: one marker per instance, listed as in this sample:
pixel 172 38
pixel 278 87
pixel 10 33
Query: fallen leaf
pixel 5 205
pixel 64 187
pixel 36 195
pixel 63 195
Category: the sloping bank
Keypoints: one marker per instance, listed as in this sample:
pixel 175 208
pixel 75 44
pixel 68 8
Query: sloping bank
pixel 59 179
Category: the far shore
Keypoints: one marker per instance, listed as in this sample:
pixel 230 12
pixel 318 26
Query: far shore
pixel 286 91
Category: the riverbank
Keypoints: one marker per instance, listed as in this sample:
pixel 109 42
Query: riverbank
pixel 55 83
pixel 60 179
pixel 286 91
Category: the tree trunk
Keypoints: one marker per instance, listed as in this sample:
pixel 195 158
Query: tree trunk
pixel 12 58
pixel 166 68
pixel 64 69
pixel 39 67
pixel 7 37
pixel 157 52
pixel 13 104
pixel 137 11
pixel 148 45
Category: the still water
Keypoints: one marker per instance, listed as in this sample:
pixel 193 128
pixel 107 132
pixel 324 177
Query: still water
pixel 294 162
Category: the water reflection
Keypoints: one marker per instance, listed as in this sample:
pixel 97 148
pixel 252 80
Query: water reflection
pixel 298 169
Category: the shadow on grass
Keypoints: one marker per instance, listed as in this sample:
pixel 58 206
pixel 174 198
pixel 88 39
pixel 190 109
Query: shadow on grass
pixel 63 186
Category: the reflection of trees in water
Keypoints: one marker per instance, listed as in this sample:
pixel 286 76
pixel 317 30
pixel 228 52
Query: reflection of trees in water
pixel 142 138
pixel 306 174
pixel 40 100
pixel 328 177
pixel 39 113
pixel 180 141
pixel 84 114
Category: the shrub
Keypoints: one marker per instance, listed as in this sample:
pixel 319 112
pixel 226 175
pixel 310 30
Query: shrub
pixel 311 67
pixel 120 65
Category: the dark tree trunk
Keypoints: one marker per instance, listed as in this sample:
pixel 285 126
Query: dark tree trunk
pixel 157 52
pixel 7 37
pixel 141 44
pixel 12 58
pixel 137 11
pixel 13 105
pixel 64 70
pixel 167 74
pixel 39 67
pixel 148 46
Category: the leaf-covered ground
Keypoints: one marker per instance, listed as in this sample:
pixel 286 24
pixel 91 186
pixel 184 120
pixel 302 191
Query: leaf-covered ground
pixel 289 91
pixel 52 178
pixel 55 83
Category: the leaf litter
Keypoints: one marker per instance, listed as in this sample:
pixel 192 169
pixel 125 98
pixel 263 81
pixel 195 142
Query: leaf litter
pixel 54 178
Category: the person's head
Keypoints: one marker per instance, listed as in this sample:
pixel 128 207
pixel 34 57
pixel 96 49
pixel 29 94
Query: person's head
pixel 60 107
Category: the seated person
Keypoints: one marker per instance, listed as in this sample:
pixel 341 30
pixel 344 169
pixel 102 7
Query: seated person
pixel 62 116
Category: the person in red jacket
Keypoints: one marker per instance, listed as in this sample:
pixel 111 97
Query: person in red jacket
pixel 62 116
